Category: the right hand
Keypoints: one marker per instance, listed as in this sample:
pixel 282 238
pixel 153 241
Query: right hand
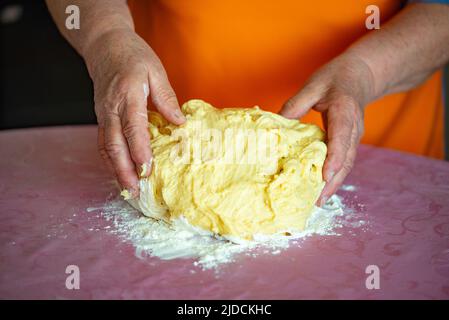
pixel 125 70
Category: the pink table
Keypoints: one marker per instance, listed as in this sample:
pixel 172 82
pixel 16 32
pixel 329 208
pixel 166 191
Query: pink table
pixel 49 176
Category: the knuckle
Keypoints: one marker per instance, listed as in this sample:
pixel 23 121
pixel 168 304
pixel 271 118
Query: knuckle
pixel 290 105
pixel 112 149
pixel 347 167
pixel 348 163
pixel 121 174
pixel 165 96
pixel 347 122
pixel 346 102
pixel 336 161
pixel 121 87
pixel 98 107
pixel 110 115
pixel 341 141
pixel 124 176
pixel 101 113
pixel 346 144
pixel 124 85
pixel 103 153
pixel 337 165
pixel 131 131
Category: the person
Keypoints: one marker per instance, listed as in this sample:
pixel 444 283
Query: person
pixel 244 53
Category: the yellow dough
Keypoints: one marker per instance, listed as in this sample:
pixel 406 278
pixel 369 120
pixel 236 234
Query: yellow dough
pixel 235 172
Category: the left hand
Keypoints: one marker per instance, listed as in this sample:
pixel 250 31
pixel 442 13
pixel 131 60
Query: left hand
pixel 339 90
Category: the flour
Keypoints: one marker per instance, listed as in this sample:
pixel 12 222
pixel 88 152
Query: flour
pixel 157 238
pixel 348 187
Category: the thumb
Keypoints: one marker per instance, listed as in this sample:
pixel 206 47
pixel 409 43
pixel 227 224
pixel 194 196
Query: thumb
pixel 298 105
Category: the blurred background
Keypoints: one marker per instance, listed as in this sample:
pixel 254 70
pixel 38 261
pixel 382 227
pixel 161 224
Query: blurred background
pixel 43 81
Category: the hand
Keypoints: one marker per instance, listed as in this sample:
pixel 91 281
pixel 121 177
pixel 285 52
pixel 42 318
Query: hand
pixel 339 91
pixel 125 70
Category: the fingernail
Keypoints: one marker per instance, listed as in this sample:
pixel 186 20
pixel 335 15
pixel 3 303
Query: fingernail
pixel 130 193
pixel 179 115
pixel 323 201
pixel 145 169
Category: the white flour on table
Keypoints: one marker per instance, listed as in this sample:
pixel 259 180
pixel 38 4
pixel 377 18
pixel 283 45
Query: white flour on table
pixel 156 238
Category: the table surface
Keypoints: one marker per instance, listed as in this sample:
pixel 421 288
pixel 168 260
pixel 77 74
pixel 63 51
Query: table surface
pixel 49 176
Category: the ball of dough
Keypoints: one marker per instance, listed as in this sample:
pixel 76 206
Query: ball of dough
pixel 235 172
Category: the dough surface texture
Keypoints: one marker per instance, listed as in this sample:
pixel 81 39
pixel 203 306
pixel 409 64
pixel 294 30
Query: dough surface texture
pixel 235 172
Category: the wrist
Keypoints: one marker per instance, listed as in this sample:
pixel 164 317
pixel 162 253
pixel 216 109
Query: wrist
pixel 105 46
pixel 356 78
pixel 377 73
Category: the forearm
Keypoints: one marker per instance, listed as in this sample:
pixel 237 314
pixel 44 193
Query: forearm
pixel 406 50
pixel 98 18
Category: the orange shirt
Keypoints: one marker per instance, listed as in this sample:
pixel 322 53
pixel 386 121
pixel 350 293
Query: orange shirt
pixel 244 53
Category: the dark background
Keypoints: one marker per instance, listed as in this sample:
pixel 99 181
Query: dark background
pixel 43 81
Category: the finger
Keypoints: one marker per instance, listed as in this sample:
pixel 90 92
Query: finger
pixel 134 122
pixel 324 120
pixel 117 149
pixel 163 96
pixel 298 105
pixel 332 186
pixel 101 149
pixel 340 127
